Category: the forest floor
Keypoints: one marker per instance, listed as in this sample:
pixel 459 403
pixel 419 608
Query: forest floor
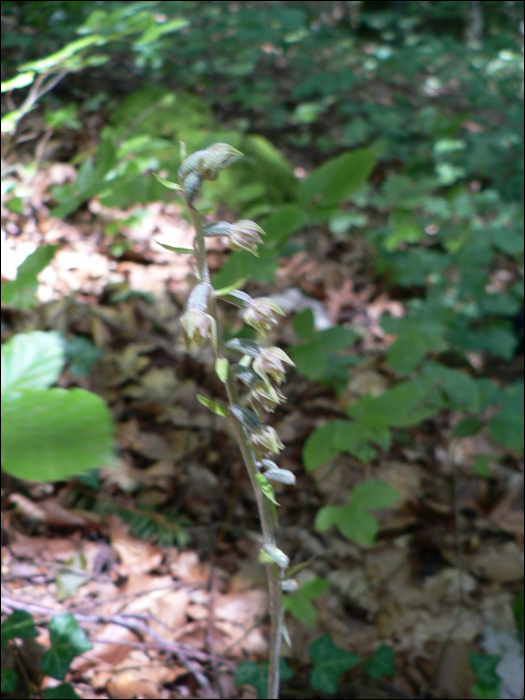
pixel 159 561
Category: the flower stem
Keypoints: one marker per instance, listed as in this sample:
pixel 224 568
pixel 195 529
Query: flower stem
pixel 242 437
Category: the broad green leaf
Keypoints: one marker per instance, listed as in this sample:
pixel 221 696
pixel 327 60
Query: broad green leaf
pixel 21 292
pixel 468 426
pixel 68 640
pixel 167 183
pixel 319 447
pixel 337 178
pixel 330 662
pixel 507 426
pixel 303 324
pixel 299 604
pixel 18 625
pixel 71 432
pixel 407 351
pixel 354 523
pixel 9 680
pixel 212 405
pixel 63 691
pixel 374 494
pixel 282 223
pixel 31 361
pixel 173 249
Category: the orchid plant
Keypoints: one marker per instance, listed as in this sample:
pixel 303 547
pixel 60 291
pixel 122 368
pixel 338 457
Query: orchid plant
pixel 260 370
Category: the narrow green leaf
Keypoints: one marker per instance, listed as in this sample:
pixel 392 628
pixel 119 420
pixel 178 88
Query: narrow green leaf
pixel 166 183
pixel 266 488
pixel 235 285
pixel 212 405
pixel 173 249
pixel 19 81
pixel 221 367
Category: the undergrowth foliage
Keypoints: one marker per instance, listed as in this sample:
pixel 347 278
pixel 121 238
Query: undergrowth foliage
pixel 260 369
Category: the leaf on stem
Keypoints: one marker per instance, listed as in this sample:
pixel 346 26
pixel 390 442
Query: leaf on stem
pixel 266 488
pixel 176 250
pixel 166 183
pixel 212 405
pixel 221 367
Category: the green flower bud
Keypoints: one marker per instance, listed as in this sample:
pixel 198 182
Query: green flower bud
pixel 198 326
pixel 208 162
pixel 260 314
pixel 191 186
pixel 265 440
pixel 270 361
pixel 264 395
pixel 244 235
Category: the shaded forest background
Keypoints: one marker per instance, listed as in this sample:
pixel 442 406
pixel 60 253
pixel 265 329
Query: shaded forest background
pixel 383 156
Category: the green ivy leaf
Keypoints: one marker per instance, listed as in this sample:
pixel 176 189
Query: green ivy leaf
pixel 68 640
pixel 381 663
pixel 299 604
pixel 18 625
pixel 484 667
pixel 256 675
pixel 330 662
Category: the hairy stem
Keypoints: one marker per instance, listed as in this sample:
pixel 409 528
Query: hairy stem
pixel 265 514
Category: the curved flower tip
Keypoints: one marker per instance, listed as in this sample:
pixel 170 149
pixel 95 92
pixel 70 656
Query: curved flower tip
pixel 208 162
pixel 260 314
pixel 264 395
pixel 270 362
pixel 265 440
pixel 198 326
pixel 245 235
